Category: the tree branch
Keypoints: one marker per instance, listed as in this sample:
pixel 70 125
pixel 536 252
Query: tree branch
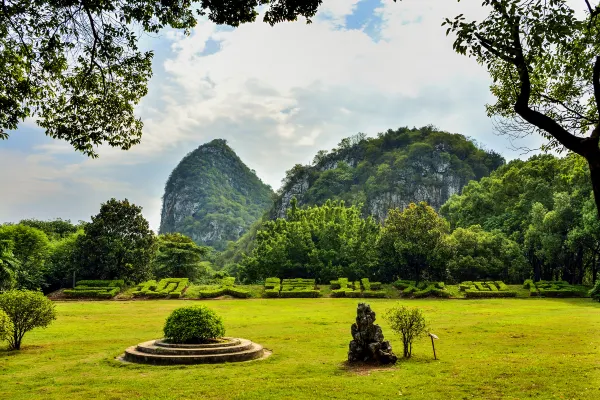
pixel 596 83
pixel 534 117
pixel 96 39
pixel 566 107
pixel 489 46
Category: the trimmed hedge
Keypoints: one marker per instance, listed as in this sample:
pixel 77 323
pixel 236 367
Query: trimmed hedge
pixel 171 288
pixel 341 283
pixel 476 294
pixel 94 293
pixel 99 283
pixel 95 289
pixel 423 289
pixel 561 293
pixel 552 289
pixel 299 294
pixel 528 284
pixel 218 291
pixel 501 285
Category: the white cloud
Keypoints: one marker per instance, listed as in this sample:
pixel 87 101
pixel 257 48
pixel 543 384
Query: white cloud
pixel 277 94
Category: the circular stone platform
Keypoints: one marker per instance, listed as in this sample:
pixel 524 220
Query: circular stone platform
pixel 163 353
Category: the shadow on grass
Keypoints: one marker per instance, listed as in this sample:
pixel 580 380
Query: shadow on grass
pixel 366 367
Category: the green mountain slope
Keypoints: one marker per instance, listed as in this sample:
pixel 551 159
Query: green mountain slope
pixel 213 197
pixel 392 170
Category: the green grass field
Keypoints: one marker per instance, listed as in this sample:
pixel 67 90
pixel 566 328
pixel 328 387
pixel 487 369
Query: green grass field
pixel 488 349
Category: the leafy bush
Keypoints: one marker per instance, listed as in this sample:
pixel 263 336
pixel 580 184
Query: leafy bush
pixel 528 284
pixel 26 310
pixel 407 323
pixel 5 325
pixel 196 324
pixel 228 282
pixel 476 294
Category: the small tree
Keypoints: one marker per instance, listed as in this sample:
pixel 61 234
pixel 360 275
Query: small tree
pixel 408 323
pixel 5 326
pixel 26 310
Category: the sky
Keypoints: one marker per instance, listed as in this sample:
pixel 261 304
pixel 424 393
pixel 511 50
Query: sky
pixel 276 94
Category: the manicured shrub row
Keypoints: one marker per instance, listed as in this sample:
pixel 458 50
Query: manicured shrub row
pixel 370 285
pixel 290 288
pixel 528 284
pixel 222 291
pixel 552 289
pixel 272 287
pixel 298 294
pixel 103 293
pixel 431 290
pixel 477 294
pixel 95 289
pixel 488 286
pixel 423 289
pixel 363 288
pixel 341 283
pixel 171 288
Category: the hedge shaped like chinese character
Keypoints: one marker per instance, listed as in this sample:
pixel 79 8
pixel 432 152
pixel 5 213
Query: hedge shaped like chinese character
pixel 95 289
pixel 170 288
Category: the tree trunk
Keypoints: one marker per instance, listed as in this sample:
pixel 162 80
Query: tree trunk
pixel 593 159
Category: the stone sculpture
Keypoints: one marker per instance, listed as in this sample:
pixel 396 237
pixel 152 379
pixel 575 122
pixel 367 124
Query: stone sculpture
pixel 368 343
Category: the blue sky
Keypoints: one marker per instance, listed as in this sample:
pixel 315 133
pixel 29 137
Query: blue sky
pixel 276 94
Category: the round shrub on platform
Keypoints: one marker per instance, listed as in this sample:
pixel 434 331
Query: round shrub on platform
pixel 195 324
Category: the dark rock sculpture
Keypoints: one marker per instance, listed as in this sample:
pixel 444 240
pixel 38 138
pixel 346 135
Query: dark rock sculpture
pixel 368 343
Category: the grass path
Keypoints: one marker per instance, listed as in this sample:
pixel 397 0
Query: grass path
pixel 488 349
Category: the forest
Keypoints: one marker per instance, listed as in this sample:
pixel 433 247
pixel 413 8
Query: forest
pixel 533 219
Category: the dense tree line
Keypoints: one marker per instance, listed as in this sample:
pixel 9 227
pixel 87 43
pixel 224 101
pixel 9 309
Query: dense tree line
pixel 529 219
pixel 545 205
pixel 334 240
pixel 116 244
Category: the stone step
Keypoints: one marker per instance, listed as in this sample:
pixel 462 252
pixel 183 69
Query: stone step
pixel 133 355
pixel 226 342
pixel 156 347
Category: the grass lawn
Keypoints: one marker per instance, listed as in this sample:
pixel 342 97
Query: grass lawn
pixel 488 349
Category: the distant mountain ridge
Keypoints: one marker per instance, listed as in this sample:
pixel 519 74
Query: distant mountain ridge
pixel 392 170
pixel 213 197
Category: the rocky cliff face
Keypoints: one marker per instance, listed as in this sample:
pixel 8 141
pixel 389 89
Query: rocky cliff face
pixel 392 170
pixel 213 197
